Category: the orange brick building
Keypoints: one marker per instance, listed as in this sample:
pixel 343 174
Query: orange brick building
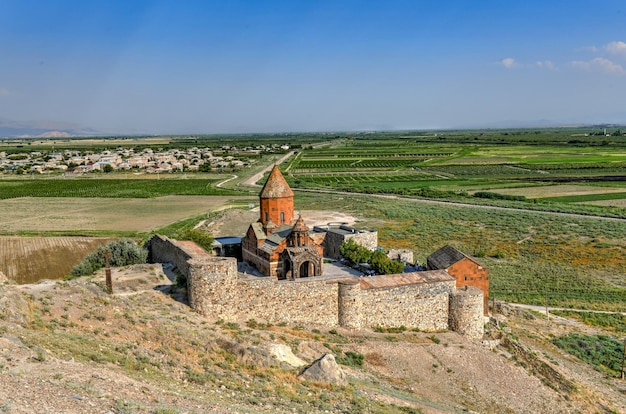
pixel 465 269
pixel 277 245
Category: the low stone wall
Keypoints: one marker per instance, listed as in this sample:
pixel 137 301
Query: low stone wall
pixel 466 312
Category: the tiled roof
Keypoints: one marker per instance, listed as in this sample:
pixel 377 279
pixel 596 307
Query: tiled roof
pixel 300 225
pixel 446 257
pixel 276 186
pixel 258 231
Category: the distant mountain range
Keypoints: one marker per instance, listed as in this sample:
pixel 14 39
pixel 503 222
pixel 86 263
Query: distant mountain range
pixel 43 129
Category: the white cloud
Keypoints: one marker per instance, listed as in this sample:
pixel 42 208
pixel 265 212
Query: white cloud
pixel 3 92
pixel 508 63
pixel 546 64
pixel 616 48
pixel 600 64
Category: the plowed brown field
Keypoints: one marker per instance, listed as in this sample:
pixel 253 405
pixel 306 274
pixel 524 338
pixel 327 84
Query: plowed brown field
pixel 29 259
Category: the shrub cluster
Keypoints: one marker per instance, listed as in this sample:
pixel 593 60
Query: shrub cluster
pixel 123 252
pixel 200 237
pixel 498 196
pixel 600 351
pixel 356 254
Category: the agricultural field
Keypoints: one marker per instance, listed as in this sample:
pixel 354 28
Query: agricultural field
pixel 532 256
pixel 120 187
pixel 74 215
pixel 537 172
pixel 30 259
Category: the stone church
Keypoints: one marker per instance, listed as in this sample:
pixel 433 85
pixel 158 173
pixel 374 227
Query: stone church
pixel 279 245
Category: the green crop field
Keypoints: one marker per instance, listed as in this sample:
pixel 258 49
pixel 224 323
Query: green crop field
pixel 110 188
pixel 455 165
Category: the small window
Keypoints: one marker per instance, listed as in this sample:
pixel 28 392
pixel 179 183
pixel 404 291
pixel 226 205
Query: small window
pixel 282 217
pixel 266 216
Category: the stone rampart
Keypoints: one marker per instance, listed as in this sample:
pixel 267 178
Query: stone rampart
pixel 423 306
pixel 466 312
pixel 212 287
pixel 165 250
pixel 350 304
pixel 293 301
pixel 425 300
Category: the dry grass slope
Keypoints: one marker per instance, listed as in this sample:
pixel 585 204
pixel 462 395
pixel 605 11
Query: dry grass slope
pixel 69 347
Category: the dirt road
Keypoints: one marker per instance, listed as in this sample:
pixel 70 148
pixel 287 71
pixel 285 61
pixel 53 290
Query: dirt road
pixel 252 181
pixel 454 203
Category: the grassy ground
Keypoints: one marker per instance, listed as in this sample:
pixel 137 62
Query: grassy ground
pixel 575 262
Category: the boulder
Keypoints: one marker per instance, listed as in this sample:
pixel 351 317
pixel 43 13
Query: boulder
pixel 283 353
pixel 13 307
pixel 3 278
pixel 325 369
pixel 273 355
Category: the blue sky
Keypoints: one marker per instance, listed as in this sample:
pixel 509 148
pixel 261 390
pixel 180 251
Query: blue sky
pixel 264 66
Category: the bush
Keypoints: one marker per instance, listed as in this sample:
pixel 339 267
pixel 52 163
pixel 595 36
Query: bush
pixel 200 237
pixel 498 196
pixel 123 252
pixel 351 359
pixel 356 254
pixel 600 351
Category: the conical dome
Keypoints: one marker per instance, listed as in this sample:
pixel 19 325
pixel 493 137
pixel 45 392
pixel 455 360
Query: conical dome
pixel 276 186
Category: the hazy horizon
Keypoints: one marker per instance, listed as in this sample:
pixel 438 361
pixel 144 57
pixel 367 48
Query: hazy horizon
pixel 204 67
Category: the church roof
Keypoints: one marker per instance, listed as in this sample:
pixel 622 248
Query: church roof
pixel 276 186
pixel 300 225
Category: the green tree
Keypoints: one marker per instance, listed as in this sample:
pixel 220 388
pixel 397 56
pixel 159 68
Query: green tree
pixel 354 252
pixel 107 168
pixel 384 265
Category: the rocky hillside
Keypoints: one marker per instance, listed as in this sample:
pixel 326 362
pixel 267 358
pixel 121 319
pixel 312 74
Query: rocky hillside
pixel 69 347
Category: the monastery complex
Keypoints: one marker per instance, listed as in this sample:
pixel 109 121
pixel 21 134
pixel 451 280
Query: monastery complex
pixel 289 255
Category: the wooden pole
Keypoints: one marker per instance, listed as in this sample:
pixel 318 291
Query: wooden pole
pixel 107 272
pixel 545 291
pixel 623 358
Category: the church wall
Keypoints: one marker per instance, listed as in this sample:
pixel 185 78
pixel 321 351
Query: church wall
pixel 367 239
pixel 468 273
pixel 274 206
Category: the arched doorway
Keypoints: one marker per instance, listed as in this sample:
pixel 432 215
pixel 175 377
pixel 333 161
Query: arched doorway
pixel 286 269
pixel 305 269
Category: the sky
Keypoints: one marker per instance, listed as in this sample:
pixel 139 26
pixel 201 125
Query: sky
pixel 191 67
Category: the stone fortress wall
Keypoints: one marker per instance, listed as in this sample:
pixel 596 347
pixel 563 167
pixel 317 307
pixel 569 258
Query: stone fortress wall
pixel 425 300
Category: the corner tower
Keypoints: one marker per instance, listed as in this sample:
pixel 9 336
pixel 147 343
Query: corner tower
pixel 276 200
